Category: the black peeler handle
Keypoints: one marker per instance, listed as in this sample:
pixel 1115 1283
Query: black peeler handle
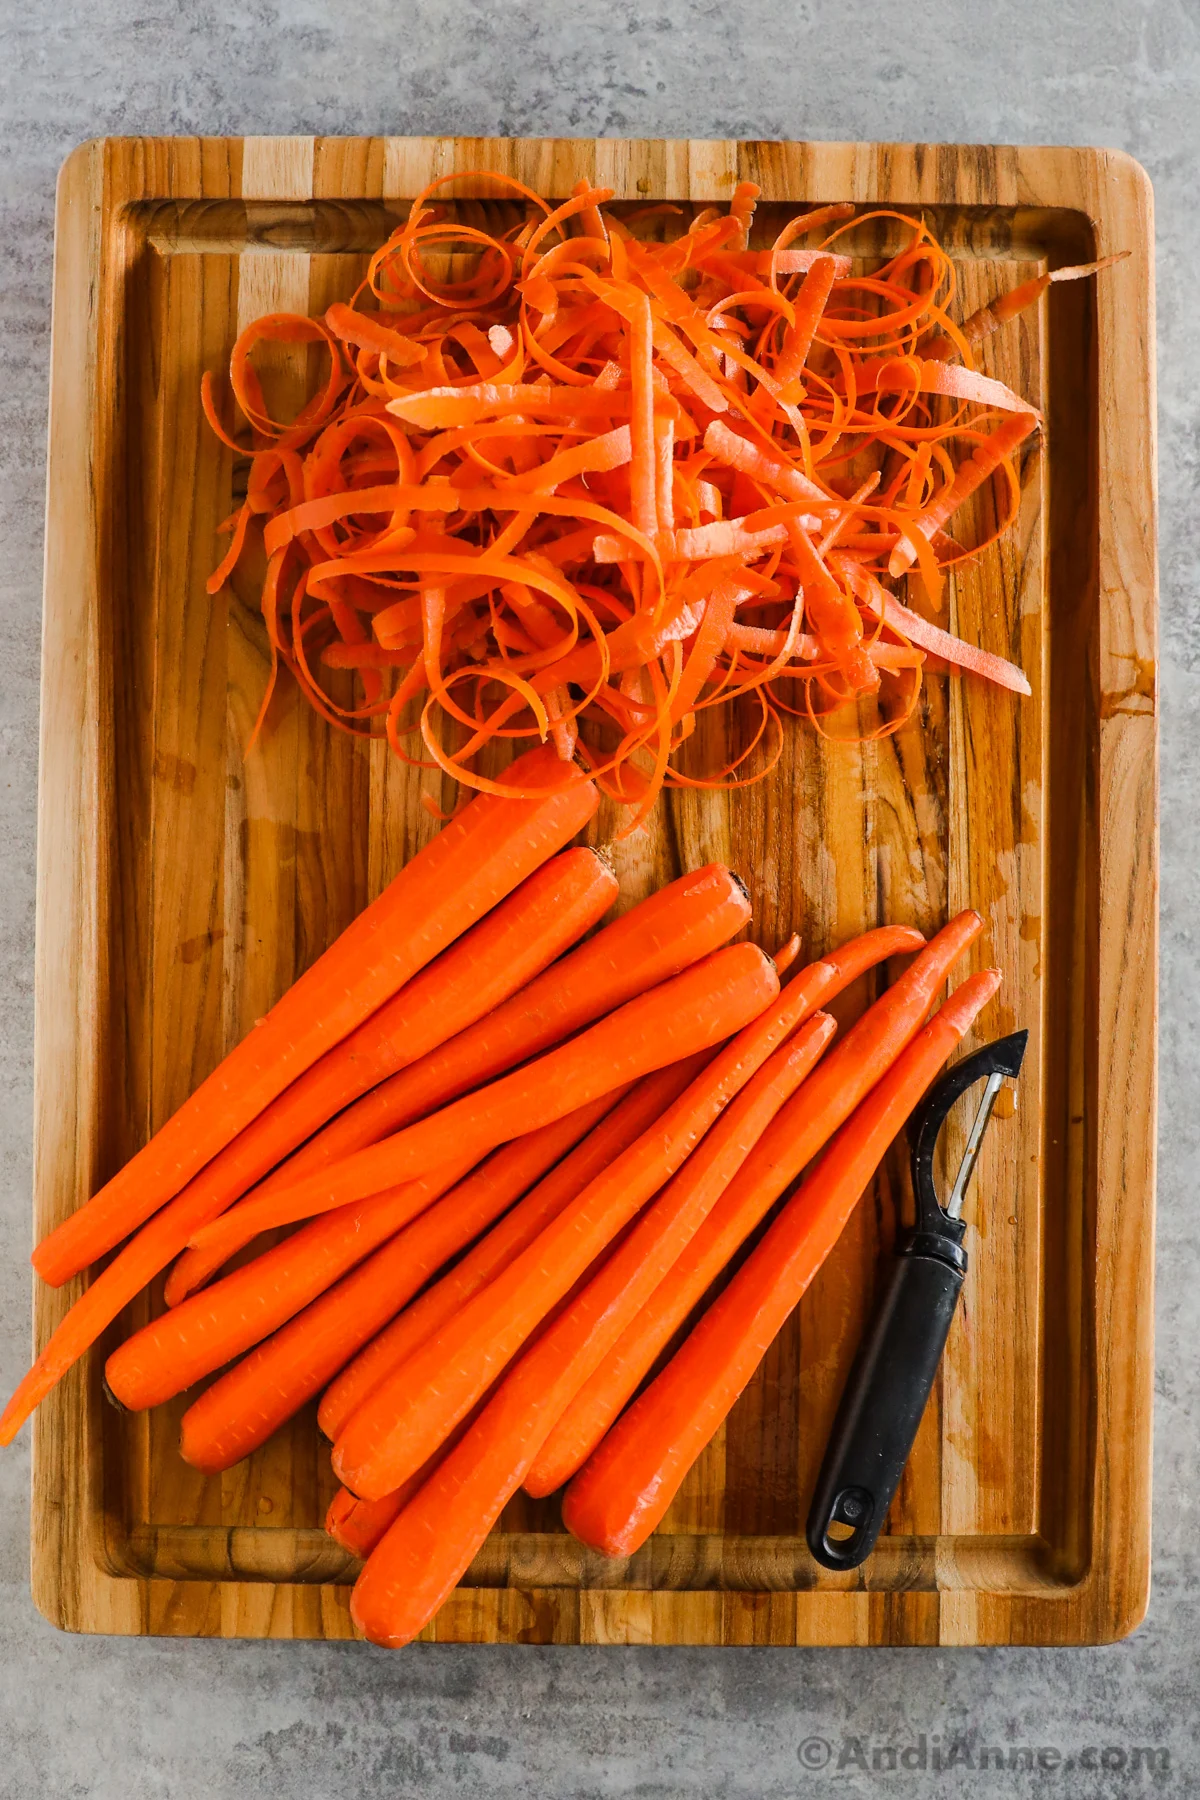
pixel 881 1409
pixel 893 1376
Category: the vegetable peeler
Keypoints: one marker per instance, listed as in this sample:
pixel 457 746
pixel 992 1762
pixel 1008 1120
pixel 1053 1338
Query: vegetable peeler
pixel 893 1375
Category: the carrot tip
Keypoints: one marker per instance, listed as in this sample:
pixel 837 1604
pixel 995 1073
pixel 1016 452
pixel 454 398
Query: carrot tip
pixel 787 953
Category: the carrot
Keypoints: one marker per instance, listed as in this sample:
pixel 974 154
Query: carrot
pixel 673 928
pixel 130 1271
pixel 410 1412
pixel 441 1527
pixel 691 1012
pixel 358 1525
pixel 623 1491
pixel 803 1127
pixel 645 1102
pixel 527 931
pixel 480 856
pixel 787 953
pixel 253 1398
pixel 245 1306
pixel 983 461
pixel 511 945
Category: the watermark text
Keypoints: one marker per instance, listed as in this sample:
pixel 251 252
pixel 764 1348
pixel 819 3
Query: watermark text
pixel 937 1751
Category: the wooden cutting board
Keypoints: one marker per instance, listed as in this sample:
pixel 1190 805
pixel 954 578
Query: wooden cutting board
pixel 182 886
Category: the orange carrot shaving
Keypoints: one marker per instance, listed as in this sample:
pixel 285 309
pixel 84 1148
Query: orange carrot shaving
pixel 741 208
pixel 550 461
pixel 874 597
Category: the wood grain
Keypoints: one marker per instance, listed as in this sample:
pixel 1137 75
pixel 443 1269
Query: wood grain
pixel 182 884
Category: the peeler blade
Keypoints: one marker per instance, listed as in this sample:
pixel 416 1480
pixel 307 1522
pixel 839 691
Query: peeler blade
pixel 992 1062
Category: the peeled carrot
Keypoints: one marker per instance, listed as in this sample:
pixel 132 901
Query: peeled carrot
pixel 409 1413
pixel 358 1525
pixel 646 1101
pixel 441 1527
pixel 549 911
pixel 245 1306
pixel 252 1399
pixel 666 933
pixel 248 1305
pixel 625 1488
pixel 149 1252
pixel 506 949
pixel 480 856
pixel 691 1012
pixel 803 1127
pixel 511 945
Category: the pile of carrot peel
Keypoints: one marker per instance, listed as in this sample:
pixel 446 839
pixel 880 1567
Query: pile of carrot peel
pixel 583 478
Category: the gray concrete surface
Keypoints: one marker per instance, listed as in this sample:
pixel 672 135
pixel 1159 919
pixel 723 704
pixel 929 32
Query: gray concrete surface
pixel 203 1721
